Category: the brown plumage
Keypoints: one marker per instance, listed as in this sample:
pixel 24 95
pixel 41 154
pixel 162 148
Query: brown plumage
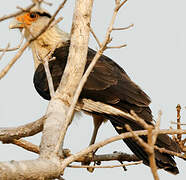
pixel 108 83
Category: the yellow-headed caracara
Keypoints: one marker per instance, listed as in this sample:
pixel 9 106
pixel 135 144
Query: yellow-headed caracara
pixel 108 83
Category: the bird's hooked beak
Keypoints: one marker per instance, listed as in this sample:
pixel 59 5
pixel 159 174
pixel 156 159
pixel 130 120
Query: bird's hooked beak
pixel 16 24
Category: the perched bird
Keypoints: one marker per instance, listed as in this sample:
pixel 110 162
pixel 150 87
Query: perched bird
pixel 107 83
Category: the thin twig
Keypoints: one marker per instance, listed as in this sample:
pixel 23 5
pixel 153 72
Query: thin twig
pixel 151 140
pixel 17 47
pixel 48 3
pixel 124 28
pixel 181 124
pixel 120 5
pixel 139 120
pixel 56 22
pixel 14 59
pixel 49 78
pixel 95 37
pixel 47 70
pixel 26 145
pixel 111 166
pixel 16 13
pixel 156 129
pixel 116 47
pixel 137 138
pixel 163 150
pixel 178 108
pixel 4 51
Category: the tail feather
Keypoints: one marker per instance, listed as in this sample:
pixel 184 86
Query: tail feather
pixel 163 160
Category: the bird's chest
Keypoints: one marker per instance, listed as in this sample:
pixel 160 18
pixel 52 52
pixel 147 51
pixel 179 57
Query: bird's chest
pixel 40 51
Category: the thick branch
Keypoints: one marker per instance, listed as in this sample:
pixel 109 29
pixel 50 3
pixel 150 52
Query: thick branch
pixel 32 169
pixel 58 106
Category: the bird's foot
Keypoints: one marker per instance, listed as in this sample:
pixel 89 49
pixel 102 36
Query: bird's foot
pixel 87 161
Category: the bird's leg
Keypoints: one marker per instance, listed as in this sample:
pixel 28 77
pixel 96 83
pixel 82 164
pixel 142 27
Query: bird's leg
pixel 97 123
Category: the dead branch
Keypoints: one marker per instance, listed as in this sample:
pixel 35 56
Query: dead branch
pixel 111 166
pixel 119 5
pixel 116 47
pixel 30 169
pixel 49 78
pixel 178 139
pixel 4 51
pixel 16 13
pixel 10 170
pixel 95 37
pixel 11 63
pixel 163 150
pixel 25 145
pixel 119 156
pixel 181 124
pixel 8 134
pixel 59 104
pixel 151 140
pixel 124 28
pixel 178 108
pixel 89 69
pixel 15 48
pixel 56 22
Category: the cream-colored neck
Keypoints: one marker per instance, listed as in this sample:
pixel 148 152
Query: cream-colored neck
pixel 47 42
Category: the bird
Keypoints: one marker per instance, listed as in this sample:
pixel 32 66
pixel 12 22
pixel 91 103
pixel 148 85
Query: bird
pixel 107 83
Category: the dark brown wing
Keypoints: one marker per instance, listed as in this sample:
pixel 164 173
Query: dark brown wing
pixel 110 84
pixel 107 76
pixel 107 82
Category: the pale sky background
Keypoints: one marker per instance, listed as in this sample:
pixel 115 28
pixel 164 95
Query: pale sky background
pixel 154 59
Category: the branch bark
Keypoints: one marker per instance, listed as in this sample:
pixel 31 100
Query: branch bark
pixel 58 107
pixel 52 168
pixel 8 134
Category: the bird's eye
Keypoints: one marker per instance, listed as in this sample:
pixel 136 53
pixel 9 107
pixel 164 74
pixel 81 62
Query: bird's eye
pixel 33 15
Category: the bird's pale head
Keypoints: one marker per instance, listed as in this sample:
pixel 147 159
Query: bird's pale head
pixel 33 22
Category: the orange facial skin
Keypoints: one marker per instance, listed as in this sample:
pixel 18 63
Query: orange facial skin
pixel 27 18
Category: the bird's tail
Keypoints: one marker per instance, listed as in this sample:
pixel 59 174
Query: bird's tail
pixel 163 160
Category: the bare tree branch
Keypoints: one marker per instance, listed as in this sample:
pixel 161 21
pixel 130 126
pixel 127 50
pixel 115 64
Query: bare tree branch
pixel 25 145
pixel 16 13
pixel 178 108
pixel 8 134
pixel 15 48
pixel 116 47
pixel 124 28
pixel 89 69
pixel 95 37
pixel 13 169
pixel 111 166
pixel 4 51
